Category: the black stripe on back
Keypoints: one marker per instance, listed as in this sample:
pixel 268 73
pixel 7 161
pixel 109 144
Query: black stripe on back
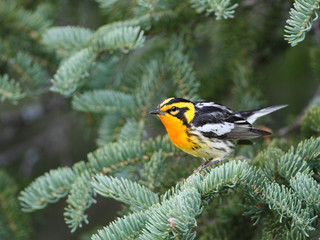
pixel 210 109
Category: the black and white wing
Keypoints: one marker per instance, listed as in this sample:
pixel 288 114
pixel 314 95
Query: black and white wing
pixel 253 115
pixel 217 121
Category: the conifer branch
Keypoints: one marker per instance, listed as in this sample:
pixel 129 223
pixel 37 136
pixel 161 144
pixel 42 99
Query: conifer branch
pixel 221 8
pixel 163 220
pixel 109 128
pixel 104 72
pixel 226 176
pixel 34 21
pixel 160 142
pixel 135 195
pixel 48 188
pixel 307 189
pixel 31 73
pixel 79 200
pixel 254 190
pixel 175 215
pixel 123 88
pixel 310 121
pixel 103 101
pixel 174 68
pixel 23 20
pixel 268 161
pixel 156 14
pixel 115 155
pixel 290 164
pixel 14 223
pixel 10 90
pixel 283 200
pixel 130 226
pixel 106 3
pixel 174 218
pixel 117 36
pixel 72 73
pixel 157 19
pixel 66 40
pixel 181 69
pixel 301 19
pixel 154 169
pixel 132 130
pixel 254 184
pixel 309 151
pixel 152 78
pixel 57 183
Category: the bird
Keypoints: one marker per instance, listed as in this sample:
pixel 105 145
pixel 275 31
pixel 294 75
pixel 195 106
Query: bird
pixel 207 129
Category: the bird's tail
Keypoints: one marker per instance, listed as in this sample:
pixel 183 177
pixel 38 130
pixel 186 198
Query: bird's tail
pixel 253 115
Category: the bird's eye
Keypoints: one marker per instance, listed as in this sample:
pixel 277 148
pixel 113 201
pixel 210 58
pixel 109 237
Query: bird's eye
pixel 174 108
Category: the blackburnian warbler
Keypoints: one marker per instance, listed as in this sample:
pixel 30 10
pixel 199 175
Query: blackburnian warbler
pixel 207 129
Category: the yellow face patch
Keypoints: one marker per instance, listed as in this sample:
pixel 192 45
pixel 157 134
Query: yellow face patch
pixel 188 114
pixel 165 102
pixel 175 115
pixel 175 112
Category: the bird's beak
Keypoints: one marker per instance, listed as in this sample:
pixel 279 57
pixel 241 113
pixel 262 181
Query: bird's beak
pixel 157 111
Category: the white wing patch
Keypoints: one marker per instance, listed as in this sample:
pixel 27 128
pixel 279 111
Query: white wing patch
pixel 206 104
pixel 217 128
pixel 212 104
pixel 241 121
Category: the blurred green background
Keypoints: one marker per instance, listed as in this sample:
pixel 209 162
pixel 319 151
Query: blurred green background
pixel 42 132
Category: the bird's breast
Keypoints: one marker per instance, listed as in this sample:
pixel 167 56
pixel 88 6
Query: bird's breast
pixel 177 132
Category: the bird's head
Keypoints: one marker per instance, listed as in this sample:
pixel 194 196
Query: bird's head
pixel 172 110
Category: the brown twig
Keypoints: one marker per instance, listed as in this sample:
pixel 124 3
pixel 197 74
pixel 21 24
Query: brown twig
pixel 297 123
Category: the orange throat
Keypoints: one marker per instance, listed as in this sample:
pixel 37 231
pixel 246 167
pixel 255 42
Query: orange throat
pixel 177 132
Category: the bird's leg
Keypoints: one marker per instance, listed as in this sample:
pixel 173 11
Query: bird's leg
pixel 207 163
pixel 214 161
